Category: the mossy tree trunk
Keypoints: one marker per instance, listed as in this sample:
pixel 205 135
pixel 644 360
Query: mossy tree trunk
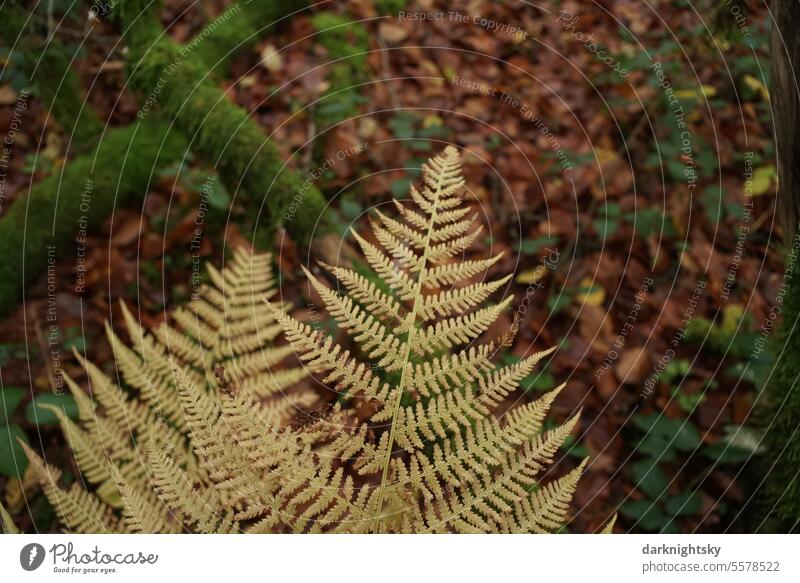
pixel 47 66
pixel 119 170
pixel 49 217
pixel 220 132
pixel 46 224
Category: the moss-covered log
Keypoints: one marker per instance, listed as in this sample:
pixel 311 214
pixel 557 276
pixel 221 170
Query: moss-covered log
pixel 56 210
pixel 119 170
pixel 240 26
pixel 47 65
pixel 220 132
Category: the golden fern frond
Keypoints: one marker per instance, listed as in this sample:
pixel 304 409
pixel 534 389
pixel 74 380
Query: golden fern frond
pixel 119 407
pixel 159 419
pixel 7 522
pixel 221 441
pixel 78 510
pixel 373 337
pixel 366 292
pixel 451 273
pixel 144 372
pixel 193 507
pixel 459 299
pixel 487 503
pixel 385 268
pixel 143 511
pixel 452 370
pixel 433 393
pixel 460 458
pixel 609 527
pixel 546 509
pixel 88 453
pixel 321 354
pixel 285 457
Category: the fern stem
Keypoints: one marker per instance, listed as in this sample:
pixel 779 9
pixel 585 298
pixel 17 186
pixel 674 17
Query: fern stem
pixel 407 356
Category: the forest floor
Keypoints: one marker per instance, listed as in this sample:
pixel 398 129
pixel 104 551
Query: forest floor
pixel 628 177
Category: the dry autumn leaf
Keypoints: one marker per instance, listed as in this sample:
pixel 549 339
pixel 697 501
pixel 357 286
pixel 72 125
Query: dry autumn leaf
pixel 757 86
pixel 762 181
pixel 534 275
pixel 633 365
pixel 7 95
pixel 590 293
pixel 271 59
pixel 392 33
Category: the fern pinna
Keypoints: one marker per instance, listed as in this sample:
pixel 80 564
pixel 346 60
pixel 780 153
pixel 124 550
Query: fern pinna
pixel 411 445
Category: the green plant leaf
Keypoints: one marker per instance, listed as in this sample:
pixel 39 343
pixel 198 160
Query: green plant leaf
pixel 712 200
pixel 668 528
pixel 738 444
pixel 402 126
pixel 543 381
pixel 556 303
pixel 650 222
pixel 400 187
pixel 351 209
pixel 605 227
pixel 675 371
pixel 11 397
pixel 684 504
pixel 13 461
pixel 686 435
pixel 36 414
pixel 648 514
pixel 636 508
pixel 650 478
pixel 688 401
pixel 727 454
pixel 532 246
pixel 218 197
pixel 665 434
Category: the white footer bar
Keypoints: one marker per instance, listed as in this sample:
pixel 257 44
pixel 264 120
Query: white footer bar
pixel 406 559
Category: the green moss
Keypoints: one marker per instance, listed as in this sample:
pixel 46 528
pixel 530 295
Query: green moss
pixel 342 37
pixel 730 337
pixel 778 414
pixel 55 210
pixel 59 87
pixel 240 26
pixel 390 6
pixel 347 44
pixel 47 66
pixel 221 133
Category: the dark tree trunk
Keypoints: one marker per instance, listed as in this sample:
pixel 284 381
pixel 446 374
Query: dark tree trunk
pixel 778 411
pixel 786 107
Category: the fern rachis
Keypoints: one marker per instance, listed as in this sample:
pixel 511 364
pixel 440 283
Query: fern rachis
pixel 444 175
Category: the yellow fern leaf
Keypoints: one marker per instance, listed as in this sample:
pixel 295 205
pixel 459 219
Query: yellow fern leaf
pixel 413 333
